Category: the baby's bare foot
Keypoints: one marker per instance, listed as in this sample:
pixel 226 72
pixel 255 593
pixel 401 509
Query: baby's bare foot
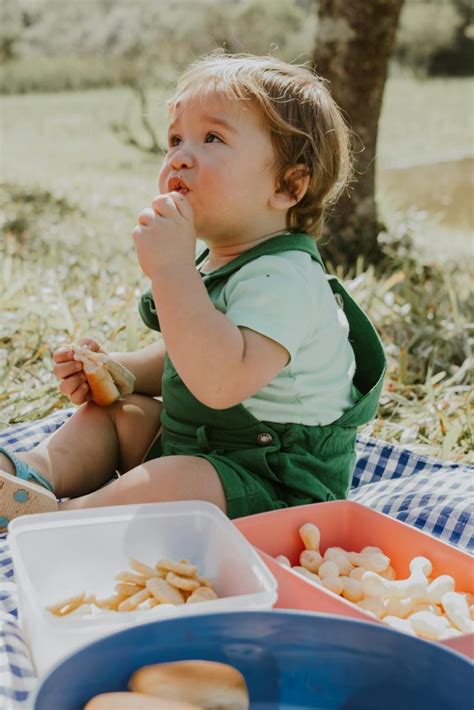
pixel 6 465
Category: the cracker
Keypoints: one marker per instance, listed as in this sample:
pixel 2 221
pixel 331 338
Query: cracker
pixel 141 568
pixel 67 605
pixel 111 603
pixel 164 592
pixel 187 583
pixel 132 602
pixel 203 594
pixel 127 589
pixel 185 569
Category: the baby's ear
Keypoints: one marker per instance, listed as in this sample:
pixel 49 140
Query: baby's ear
pixel 292 188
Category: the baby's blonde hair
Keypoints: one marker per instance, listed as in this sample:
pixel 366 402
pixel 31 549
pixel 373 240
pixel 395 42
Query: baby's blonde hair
pixel 305 125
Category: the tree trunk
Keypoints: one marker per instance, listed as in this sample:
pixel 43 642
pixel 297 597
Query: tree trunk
pixel 353 47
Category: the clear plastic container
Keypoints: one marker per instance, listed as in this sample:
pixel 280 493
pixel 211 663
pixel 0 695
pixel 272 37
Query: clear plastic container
pixel 59 555
pixel 352 526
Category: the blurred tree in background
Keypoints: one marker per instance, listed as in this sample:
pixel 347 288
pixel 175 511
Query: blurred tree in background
pixel 353 48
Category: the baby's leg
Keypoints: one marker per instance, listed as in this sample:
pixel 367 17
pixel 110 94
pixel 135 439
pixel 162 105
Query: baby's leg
pixel 94 443
pixel 169 478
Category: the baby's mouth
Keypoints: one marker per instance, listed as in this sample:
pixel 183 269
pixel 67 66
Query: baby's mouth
pixel 177 184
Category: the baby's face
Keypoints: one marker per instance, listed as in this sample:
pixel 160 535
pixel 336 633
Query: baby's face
pixel 221 157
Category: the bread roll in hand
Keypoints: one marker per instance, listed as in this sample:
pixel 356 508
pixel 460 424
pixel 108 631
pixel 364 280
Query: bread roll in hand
pixel 108 380
pixel 210 685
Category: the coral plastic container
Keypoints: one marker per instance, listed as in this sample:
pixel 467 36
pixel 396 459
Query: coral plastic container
pixel 59 555
pixel 351 526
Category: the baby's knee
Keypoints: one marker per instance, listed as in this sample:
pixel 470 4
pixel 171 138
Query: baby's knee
pixel 137 420
pixel 137 404
pixel 131 407
pixel 136 413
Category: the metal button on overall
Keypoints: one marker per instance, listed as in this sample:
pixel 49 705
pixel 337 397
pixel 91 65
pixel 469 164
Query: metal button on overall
pixel 264 439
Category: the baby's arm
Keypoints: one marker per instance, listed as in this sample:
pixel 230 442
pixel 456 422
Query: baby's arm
pixel 220 363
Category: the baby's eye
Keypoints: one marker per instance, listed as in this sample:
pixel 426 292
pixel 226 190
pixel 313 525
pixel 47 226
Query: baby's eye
pixel 173 141
pixel 212 138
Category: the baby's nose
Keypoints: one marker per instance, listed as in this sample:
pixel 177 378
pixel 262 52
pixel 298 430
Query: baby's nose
pixel 182 158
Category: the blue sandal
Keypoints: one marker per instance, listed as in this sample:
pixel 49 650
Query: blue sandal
pixel 24 492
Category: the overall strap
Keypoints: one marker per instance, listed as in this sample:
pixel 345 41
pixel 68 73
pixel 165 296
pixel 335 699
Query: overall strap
pixel 371 361
pixel 288 241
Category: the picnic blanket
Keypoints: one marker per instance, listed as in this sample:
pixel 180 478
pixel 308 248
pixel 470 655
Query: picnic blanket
pixel 432 495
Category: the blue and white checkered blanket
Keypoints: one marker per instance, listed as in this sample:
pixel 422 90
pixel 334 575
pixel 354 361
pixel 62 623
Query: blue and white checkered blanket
pixel 432 495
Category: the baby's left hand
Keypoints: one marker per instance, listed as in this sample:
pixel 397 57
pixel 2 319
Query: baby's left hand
pixel 165 235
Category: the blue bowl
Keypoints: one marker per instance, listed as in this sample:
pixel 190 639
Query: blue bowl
pixel 289 659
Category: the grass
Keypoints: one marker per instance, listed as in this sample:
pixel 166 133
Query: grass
pixel 69 201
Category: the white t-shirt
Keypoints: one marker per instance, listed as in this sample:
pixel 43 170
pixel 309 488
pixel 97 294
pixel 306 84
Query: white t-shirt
pixel 287 298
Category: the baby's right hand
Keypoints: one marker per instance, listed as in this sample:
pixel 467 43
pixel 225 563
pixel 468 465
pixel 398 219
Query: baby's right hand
pixel 69 372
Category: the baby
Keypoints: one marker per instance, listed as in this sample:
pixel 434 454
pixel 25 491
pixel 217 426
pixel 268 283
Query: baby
pixel 265 367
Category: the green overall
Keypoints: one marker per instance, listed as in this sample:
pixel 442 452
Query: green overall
pixel 266 465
